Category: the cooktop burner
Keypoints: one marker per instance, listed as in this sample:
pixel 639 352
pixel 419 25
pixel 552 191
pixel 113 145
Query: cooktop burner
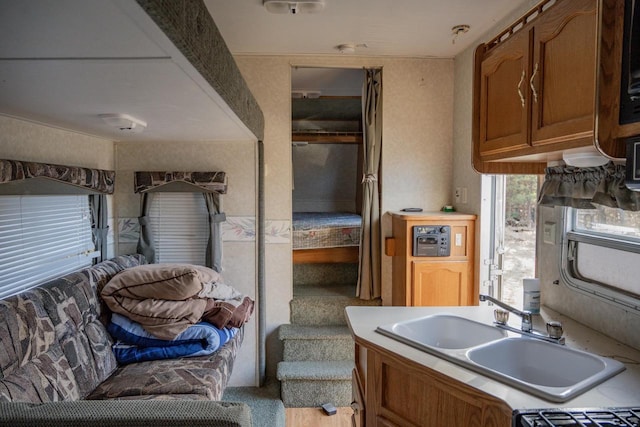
pixel 629 417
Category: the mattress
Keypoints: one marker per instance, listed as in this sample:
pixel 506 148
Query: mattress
pixel 315 230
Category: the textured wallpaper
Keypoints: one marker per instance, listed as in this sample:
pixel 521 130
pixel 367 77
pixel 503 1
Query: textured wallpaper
pixel 22 140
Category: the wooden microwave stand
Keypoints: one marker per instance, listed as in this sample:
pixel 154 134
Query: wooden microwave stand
pixel 432 280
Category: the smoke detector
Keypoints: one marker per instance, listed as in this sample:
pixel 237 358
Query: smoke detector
pixel 293 7
pixel 124 122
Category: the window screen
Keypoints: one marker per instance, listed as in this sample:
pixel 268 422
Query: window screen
pixel 42 237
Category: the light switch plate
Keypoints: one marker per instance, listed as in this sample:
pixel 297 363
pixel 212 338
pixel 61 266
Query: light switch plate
pixel 549 233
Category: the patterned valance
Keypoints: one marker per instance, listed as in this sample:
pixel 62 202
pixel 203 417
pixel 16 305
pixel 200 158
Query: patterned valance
pixel 206 182
pixel 93 180
pixel 583 187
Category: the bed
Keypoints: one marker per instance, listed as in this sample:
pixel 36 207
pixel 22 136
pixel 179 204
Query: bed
pixel 326 237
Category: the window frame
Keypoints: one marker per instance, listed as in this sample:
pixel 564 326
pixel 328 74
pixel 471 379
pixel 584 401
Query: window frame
pixel 568 271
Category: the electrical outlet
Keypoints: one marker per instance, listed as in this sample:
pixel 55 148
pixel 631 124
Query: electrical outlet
pixel 458 195
pixel 549 233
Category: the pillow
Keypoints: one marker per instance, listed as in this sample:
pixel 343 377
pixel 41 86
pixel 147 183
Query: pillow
pixel 178 281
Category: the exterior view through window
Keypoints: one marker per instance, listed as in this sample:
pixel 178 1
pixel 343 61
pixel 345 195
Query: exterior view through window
pixel 605 221
pixel 514 254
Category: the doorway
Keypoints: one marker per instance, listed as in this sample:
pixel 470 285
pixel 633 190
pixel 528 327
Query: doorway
pixel 326 126
pixel 511 244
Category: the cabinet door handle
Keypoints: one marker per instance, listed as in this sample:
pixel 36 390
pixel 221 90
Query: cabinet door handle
pixel 519 89
pixel 533 88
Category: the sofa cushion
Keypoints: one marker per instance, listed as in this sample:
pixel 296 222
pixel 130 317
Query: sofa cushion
pixel 71 303
pixel 204 375
pixel 45 378
pixel 33 367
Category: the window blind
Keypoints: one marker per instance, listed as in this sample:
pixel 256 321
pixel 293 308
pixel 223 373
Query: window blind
pixel 42 237
pixel 180 226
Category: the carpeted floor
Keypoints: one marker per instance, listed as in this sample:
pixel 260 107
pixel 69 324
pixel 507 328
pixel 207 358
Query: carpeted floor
pixel 266 407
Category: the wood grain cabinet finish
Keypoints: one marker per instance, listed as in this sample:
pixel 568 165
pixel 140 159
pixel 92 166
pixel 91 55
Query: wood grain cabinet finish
pixel 402 393
pixel 433 281
pixel 534 87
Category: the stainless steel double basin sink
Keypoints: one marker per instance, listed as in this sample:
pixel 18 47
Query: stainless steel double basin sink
pixel 551 371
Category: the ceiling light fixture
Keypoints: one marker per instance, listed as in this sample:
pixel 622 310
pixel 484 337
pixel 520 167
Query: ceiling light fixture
pixel 293 7
pixel 124 122
pixel 456 30
pixel 350 47
pixel 346 48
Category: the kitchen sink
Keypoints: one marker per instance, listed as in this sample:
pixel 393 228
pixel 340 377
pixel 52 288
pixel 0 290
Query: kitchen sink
pixel 444 331
pixel 555 372
pixel 548 370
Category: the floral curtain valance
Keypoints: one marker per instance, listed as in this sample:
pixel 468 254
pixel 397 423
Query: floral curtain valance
pixel 583 187
pixel 206 182
pixel 93 180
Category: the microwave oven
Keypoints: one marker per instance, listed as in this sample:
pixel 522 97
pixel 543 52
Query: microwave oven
pixel 630 69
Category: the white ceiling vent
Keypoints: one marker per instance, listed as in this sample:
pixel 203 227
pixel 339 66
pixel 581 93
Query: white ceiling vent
pixel 124 122
pixel 294 7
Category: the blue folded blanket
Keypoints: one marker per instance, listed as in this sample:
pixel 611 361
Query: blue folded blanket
pixel 134 344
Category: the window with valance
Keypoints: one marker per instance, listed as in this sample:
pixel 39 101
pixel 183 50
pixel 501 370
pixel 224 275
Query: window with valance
pixel 53 220
pixel 211 184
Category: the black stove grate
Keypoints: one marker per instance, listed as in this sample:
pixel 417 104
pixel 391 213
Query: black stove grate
pixel 605 417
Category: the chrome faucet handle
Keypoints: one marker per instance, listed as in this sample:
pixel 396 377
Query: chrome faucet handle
pixel 554 329
pixel 527 322
pixel 500 316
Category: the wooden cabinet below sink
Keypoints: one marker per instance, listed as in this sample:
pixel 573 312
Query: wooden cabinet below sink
pixel 398 392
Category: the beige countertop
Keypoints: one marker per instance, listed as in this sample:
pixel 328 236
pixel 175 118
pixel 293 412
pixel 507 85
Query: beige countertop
pixel 621 390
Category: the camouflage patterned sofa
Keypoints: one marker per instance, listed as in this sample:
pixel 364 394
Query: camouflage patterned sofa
pixel 57 367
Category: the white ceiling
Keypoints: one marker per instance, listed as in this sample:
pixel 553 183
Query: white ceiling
pixel 410 28
pixel 65 62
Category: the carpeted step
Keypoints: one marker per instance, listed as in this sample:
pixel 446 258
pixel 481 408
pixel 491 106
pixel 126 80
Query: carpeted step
pixel 308 343
pixel 266 407
pixel 312 383
pixel 324 305
pixel 315 274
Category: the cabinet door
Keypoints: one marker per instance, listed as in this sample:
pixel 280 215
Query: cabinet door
pixel 504 97
pixel 441 283
pixel 564 73
pixel 358 419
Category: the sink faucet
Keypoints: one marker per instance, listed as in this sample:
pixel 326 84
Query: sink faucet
pixel 525 315
pixel 554 329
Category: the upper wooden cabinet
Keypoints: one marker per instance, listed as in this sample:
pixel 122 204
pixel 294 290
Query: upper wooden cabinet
pixel 534 88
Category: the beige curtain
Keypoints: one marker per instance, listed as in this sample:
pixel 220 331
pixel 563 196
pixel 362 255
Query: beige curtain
pixel 214 244
pixel 369 286
pixel 145 241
